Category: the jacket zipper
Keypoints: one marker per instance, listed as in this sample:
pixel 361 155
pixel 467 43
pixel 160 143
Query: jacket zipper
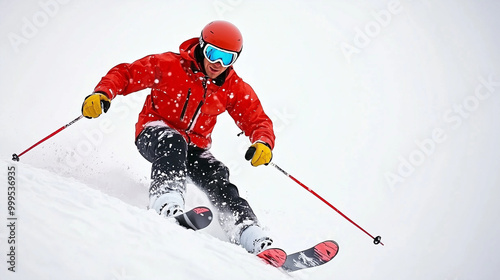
pixel 190 126
pixel 183 113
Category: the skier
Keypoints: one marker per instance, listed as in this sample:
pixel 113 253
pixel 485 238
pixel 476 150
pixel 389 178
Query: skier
pixel 189 90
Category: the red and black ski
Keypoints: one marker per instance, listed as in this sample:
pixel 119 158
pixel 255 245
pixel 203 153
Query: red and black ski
pixel 274 256
pixel 196 218
pixel 315 256
pixel 312 257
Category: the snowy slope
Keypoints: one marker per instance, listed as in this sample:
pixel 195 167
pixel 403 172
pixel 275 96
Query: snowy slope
pixel 388 109
pixel 67 230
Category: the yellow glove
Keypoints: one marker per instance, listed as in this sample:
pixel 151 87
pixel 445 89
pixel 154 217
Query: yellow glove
pixel 260 153
pixel 94 104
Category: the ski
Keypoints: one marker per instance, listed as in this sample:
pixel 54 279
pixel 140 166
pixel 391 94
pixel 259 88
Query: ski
pixel 196 218
pixel 312 257
pixel 274 256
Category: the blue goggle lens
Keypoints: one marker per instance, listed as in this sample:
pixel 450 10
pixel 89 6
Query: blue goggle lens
pixel 214 54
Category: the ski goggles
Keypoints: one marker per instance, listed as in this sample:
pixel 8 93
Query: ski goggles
pixel 214 54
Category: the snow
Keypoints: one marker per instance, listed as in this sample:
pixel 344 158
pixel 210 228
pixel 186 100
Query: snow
pixel 81 233
pixel 387 109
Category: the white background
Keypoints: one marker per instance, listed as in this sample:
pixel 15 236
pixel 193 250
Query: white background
pixel 388 109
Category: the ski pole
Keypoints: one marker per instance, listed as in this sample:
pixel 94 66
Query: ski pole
pixel 15 157
pixel 376 240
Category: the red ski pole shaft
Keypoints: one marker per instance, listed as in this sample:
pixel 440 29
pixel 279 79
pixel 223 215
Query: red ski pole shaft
pixel 376 240
pixel 15 157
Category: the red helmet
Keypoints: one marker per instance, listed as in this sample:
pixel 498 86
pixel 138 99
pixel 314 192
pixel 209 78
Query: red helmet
pixel 222 34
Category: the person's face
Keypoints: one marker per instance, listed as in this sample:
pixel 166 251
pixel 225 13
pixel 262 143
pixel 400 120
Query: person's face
pixel 213 69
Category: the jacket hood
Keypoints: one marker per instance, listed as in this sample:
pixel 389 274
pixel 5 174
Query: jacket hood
pixel 187 49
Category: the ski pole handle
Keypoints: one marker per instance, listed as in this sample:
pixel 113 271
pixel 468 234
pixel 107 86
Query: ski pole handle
pixel 15 157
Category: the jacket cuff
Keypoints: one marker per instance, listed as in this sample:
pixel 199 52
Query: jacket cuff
pixel 265 140
pixel 105 93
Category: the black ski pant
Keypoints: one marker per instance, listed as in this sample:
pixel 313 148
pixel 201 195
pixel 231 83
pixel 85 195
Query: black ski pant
pixel 174 162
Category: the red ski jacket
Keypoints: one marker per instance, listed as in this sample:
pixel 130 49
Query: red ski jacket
pixel 185 99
